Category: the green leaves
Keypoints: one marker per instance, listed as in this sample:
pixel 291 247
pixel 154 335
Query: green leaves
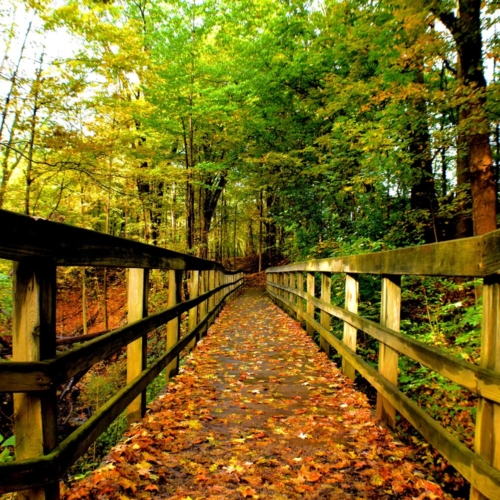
pixel 5 453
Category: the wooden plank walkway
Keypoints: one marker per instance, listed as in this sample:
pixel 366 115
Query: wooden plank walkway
pixel 258 412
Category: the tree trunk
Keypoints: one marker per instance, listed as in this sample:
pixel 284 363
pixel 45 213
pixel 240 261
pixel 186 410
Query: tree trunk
pixel 261 209
pixel 423 192
pixel 473 122
pixel 271 232
pixel 173 219
pixel 31 144
pixel 188 155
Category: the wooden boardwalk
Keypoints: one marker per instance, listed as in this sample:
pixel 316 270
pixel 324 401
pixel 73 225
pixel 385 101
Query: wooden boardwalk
pixel 258 412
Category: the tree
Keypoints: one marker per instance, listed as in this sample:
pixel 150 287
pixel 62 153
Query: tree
pixel 476 164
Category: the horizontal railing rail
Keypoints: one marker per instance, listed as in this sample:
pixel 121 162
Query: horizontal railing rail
pixel 294 288
pixel 30 237
pixel 470 257
pixel 37 246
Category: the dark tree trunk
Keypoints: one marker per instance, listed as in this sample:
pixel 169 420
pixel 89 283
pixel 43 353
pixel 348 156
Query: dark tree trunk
pixel 211 197
pixel 473 123
pixel 423 192
pixel 271 232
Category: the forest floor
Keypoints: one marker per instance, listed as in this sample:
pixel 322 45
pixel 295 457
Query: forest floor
pixel 258 412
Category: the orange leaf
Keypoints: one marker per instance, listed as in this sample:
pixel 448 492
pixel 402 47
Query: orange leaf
pixel 312 476
pixel 246 491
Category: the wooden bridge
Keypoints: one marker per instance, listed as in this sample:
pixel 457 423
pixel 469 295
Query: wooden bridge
pixel 37 247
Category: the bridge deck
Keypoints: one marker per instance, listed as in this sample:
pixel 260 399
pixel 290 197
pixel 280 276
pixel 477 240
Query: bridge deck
pixel 258 412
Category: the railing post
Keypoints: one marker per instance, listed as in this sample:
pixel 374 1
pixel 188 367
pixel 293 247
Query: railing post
pixel 286 295
pixel 203 305
pixel 193 312
pixel 300 301
pixel 390 313
pixel 271 278
pixel 487 438
pixel 34 339
pixel 326 296
pixel 216 284
pixel 173 326
pixel 291 296
pixel 211 300
pixel 350 333
pixel 137 298
pixel 218 294
pixel 311 285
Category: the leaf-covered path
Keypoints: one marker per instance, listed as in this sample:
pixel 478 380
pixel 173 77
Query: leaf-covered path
pixel 258 412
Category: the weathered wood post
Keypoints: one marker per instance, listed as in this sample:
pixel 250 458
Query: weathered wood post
pixel 173 326
pixel 300 301
pixel 225 281
pixel 390 313
pixel 291 296
pixel 487 438
pixel 137 298
pixel 193 312
pixel 311 285
pixel 211 300
pixel 284 282
pixel 34 339
pixel 326 296
pixel 350 333
pixel 204 304
pixel 219 293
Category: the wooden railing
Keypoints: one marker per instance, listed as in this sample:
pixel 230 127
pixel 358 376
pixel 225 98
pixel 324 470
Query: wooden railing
pixel 37 247
pixel 293 287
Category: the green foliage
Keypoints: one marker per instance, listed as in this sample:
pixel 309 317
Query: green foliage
pixel 443 313
pixel 156 387
pixel 158 292
pixel 100 387
pixel 5 452
pixel 5 293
